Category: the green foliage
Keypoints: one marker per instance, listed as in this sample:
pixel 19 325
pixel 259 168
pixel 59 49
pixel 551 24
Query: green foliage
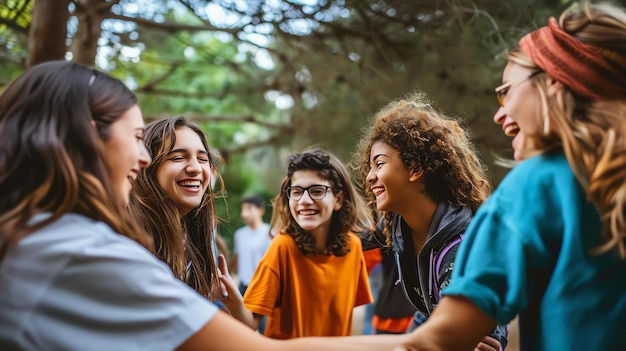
pixel 18 13
pixel 15 17
pixel 338 61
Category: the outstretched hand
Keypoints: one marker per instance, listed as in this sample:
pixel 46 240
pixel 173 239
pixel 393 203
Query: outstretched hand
pixel 228 289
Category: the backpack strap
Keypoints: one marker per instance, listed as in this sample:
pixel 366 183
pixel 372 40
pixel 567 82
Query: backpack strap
pixel 439 260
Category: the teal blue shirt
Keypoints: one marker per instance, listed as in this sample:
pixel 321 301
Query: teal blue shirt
pixel 526 252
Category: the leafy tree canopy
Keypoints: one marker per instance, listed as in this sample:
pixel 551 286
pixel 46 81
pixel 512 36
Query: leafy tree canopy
pixel 268 77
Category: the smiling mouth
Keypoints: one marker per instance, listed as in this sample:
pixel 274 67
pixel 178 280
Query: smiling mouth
pixel 511 130
pixel 378 190
pixel 307 212
pixel 190 184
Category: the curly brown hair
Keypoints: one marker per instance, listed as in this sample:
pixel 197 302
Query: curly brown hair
pixel 427 141
pixel 353 216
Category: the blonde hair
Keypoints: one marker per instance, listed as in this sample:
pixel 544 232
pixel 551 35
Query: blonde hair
pixel 591 133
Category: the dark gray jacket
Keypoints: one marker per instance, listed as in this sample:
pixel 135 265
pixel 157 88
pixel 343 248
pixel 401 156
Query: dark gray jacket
pixel 420 282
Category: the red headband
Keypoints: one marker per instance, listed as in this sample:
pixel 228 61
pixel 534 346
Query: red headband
pixel 589 71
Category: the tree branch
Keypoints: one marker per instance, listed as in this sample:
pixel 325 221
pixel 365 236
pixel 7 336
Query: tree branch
pixel 149 87
pixel 281 128
pixel 172 27
pixel 249 146
pixel 14 26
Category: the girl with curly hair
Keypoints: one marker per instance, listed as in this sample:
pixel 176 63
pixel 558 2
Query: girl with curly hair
pixel 75 267
pixel 313 274
pixel 420 169
pixel 549 245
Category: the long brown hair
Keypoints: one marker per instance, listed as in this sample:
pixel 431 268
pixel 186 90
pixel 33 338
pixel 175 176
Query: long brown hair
pixel 179 242
pixel 353 216
pixel 52 157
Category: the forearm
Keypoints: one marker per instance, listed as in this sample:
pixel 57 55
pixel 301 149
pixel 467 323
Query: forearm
pixel 239 311
pixel 456 324
pixel 361 342
pixel 223 333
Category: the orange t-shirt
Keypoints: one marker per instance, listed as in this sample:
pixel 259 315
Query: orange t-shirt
pixel 308 295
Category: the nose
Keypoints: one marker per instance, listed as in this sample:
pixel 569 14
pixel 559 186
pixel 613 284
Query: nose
pixel 306 198
pixel 144 156
pixel 500 116
pixel 371 176
pixel 193 166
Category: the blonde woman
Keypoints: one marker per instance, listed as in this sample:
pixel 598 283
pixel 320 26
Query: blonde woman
pixel 549 244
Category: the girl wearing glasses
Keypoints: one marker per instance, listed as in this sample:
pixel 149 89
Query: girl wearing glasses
pixel 313 274
pixel 421 170
pixel 75 268
pixel 550 245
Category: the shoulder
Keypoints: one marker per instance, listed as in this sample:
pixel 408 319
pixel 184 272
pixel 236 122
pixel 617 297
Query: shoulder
pixel 241 230
pixel 542 170
pixel 283 240
pixel 535 186
pixel 354 241
pixel 103 274
pixel 73 234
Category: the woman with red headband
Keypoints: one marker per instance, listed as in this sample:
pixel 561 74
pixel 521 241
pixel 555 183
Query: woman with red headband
pixel 549 244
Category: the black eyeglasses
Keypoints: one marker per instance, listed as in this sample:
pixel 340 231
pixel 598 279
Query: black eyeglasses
pixel 503 89
pixel 316 192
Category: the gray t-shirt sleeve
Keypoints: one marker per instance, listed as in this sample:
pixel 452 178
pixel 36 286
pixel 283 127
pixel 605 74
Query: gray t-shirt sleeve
pixel 115 295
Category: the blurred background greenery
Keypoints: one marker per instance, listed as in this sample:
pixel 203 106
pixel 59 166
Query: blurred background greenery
pixel 268 77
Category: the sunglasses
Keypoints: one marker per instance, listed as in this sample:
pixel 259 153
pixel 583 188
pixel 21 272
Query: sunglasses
pixel 503 89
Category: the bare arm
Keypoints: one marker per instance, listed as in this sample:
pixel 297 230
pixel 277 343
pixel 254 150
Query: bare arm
pixel 224 333
pixel 456 324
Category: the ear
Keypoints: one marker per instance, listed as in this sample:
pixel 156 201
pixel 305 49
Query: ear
pixel 553 86
pixel 93 124
pixel 339 202
pixel 416 175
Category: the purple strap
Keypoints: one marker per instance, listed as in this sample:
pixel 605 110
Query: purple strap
pixel 440 257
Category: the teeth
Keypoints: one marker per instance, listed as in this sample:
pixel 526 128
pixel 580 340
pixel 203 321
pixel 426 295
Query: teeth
pixel 190 183
pixel 307 212
pixel 511 130
pixel 378 191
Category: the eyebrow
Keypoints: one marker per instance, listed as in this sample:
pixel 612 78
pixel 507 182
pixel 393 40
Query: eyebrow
pixel 377 156
pixel 185 151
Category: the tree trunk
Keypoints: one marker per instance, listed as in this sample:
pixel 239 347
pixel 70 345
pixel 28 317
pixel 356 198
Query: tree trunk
pixel 90 14
pixel 48 31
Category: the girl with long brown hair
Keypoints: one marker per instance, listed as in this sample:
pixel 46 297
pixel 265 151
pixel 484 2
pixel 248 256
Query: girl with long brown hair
pixel 76 271
pixel 172 198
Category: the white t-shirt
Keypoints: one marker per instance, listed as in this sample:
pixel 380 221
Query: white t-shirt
pixel 77 285
pixel 250 246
